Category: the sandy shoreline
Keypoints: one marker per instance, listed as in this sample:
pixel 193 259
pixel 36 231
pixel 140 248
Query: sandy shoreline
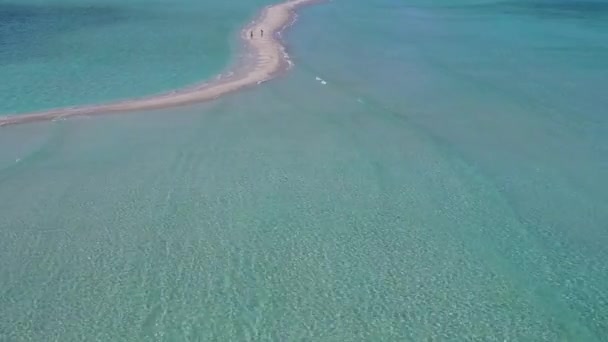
pixel 267 59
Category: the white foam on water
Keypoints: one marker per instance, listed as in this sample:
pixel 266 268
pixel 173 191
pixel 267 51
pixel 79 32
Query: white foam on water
pixel 286 57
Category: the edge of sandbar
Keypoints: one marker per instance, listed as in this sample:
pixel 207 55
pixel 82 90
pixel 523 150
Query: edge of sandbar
pixel 265 58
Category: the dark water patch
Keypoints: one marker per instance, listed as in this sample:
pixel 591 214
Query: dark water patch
pixel 26 31
pixel 567 9
pixel 543 8
pixel 581 7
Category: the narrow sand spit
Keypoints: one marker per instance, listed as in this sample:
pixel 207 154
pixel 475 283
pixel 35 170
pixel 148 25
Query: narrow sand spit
pixel 267 58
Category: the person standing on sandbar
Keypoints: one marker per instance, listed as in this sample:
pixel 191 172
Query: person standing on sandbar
pixel 262 33
pixel 250 34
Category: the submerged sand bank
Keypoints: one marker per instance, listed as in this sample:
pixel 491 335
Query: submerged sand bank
pixel 266 59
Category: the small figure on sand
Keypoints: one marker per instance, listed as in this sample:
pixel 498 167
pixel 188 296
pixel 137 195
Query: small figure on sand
pixel 250 34
pixel 262 33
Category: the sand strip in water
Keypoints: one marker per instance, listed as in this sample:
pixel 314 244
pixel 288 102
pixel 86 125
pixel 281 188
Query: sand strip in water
pixel 266 58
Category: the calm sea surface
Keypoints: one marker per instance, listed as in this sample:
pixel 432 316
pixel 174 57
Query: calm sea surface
pixel 448 182
pixel 56 53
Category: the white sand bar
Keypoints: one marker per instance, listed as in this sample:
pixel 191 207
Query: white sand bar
pixel 267 59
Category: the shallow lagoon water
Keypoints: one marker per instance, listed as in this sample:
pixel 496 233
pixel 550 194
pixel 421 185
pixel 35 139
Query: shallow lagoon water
pixel 58 53
pixel 446 183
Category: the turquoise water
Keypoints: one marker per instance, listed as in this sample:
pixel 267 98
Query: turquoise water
pixel 448 183
pixel 56 53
